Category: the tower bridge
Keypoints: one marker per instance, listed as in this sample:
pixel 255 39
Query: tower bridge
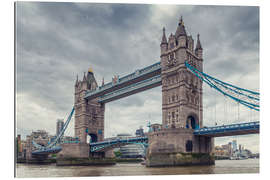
pixel 180 73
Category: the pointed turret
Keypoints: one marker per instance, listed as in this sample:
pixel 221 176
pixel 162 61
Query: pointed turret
pixel 180 31
pixel 198 45
pixel 103 81
pixel 164 39
pixel 164 43
pixel 91 80
pixel 77 81
pixel 84 77
pixel 199 49
pixel 180 34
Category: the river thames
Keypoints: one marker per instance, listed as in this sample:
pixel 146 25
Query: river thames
pixel 129 169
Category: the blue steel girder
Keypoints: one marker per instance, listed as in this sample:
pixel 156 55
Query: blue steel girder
pixel 229 130
pixel 137 76
pixel 44 151
pixel 101 146
pixel 131 89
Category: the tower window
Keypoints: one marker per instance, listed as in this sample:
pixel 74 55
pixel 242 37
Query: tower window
pixel 171 56
pixel 171 45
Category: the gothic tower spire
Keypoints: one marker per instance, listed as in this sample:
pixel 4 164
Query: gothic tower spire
pixel 164 39
pixel 76 81
pixel 199 49
pixel 198 45
pixel 180 31
pixel 164 43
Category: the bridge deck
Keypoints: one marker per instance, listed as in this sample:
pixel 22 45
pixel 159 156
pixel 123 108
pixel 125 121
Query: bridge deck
pixel 100 146
pixel 229 130
pixel 132 89
pixel 45 151
pixel 137 76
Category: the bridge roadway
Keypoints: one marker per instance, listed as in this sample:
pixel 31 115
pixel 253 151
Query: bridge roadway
pixel 45 151
pixel 128 80
pixel 216 131
pixel 229 130
pixel 131 89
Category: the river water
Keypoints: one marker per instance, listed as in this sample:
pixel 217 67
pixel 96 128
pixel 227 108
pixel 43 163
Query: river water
pixel 127 169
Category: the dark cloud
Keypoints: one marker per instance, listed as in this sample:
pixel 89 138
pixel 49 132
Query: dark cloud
pixel 56 41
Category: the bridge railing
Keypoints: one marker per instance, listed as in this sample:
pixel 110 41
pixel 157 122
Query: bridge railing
pixel 133 139
pixel 105 144
pixel 132 87
pixel 126 78
pixel 227 128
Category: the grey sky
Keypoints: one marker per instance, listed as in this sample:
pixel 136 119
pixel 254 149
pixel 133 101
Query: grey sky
pixel 57 41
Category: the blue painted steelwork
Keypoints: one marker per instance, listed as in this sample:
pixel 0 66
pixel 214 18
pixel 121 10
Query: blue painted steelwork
pixel 51 147
pixel 245 97
pixel 51 150
pixel 233 129
pixel 131 88
pixel 134 75
pixel 63 130
pixel 98 146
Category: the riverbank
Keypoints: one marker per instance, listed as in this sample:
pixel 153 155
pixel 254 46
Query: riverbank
pixel 84 161
pixel 36 161
pixel 135 169
pixel 81 161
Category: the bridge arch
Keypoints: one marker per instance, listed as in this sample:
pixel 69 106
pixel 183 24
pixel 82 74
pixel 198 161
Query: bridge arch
pixel 93 138
pixel 192 121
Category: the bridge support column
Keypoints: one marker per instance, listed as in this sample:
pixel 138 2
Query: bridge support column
pixel 109 154
pixel 178 146
pixel 74 150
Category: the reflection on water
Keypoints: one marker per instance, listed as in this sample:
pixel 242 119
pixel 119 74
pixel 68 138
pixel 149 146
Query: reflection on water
pixel 221 167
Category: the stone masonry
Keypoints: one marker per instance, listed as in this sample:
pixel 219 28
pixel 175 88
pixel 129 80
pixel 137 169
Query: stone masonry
pixel 89 115
pixel 182 112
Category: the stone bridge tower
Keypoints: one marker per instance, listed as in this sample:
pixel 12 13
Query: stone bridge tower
pixel 182 112
pixel 181 90
pixel 89 115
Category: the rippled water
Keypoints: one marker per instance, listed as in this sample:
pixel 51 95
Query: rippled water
pixel 221 167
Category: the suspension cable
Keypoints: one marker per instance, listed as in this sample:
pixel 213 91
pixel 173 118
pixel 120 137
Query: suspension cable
pixel 215 108
pixel 238 112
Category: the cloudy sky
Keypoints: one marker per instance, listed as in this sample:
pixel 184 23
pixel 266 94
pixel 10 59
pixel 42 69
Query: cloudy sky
pixel 57 41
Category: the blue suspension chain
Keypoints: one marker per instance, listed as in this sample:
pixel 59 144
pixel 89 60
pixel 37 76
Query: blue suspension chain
pixel 218 85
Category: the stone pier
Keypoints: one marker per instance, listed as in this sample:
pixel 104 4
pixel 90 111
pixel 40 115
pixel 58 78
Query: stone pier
pixel 178 146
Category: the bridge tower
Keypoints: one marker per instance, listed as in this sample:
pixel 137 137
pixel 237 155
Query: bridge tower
pixel 181 90
pixel 182 104
pixel 89 115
